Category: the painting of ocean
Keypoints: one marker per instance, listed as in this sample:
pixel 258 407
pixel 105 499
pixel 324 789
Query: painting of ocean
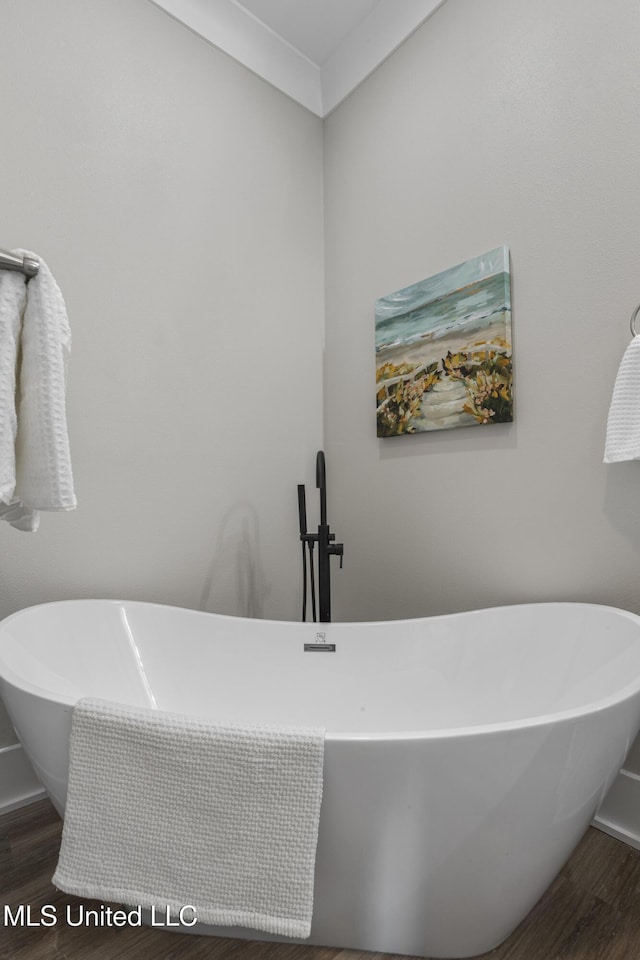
pixel 443 350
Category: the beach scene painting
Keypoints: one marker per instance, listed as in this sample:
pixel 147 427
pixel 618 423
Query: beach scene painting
pixel 443 350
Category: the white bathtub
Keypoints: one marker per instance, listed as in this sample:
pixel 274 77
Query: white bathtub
pixel 465 757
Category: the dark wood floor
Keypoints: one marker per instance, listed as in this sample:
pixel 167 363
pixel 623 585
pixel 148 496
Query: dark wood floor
pixel 591 912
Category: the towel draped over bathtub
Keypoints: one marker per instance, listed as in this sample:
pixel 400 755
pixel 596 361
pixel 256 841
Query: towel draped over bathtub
pixel 167 811
pixel 35 340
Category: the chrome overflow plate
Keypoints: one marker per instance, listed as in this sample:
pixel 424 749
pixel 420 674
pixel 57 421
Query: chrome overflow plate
pixel 320 645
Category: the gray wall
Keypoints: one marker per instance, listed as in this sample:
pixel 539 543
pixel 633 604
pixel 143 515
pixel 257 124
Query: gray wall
pixel 499 121
pixel 177 199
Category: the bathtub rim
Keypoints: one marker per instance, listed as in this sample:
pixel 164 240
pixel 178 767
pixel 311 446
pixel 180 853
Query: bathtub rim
pixel 588 709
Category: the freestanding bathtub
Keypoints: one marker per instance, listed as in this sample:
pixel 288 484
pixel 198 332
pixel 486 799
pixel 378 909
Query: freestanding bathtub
pixel 465 755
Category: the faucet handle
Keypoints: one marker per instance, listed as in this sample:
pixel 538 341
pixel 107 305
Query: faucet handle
pixel 337 550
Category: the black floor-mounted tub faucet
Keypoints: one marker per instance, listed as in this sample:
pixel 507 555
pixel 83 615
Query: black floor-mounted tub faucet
pixel 326 548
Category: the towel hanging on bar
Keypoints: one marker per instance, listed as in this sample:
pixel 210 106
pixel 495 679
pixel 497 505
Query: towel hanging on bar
pixel 35 464
pixel 622 440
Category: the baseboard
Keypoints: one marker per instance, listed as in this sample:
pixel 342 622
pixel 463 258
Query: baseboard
pixel 619 813
pixel 18 783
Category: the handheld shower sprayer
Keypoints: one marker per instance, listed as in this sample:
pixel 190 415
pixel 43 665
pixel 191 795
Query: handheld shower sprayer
pixel 321 484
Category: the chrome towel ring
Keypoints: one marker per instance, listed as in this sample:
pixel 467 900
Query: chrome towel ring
pixel 635 313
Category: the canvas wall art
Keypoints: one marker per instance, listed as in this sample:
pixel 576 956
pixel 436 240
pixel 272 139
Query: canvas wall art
pixel 443 350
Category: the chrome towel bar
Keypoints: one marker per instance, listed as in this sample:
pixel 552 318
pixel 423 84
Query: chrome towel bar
pixel 13 261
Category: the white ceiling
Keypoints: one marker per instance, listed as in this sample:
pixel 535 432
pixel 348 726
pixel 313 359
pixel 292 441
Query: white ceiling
pixel 316 51
pixel 314 27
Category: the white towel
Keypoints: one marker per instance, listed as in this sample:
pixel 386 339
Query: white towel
pixel 623 423
pixel 35 340
pixel 170 811
pixel 13 295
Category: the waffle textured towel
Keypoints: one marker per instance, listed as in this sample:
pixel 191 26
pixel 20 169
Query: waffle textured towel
pixel 170 811
pixel 13 295
pixel 35 340
pixel 623 424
